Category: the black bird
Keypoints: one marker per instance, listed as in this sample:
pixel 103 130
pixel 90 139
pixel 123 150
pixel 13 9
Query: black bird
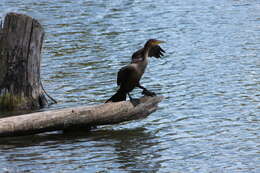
pixel 129 76
pixel 154 51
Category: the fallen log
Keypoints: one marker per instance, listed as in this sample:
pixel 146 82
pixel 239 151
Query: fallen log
pixel 78 117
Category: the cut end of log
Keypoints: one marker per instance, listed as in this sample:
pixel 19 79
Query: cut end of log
pixel 147 104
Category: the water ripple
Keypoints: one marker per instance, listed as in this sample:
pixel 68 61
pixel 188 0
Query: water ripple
pixel 209 119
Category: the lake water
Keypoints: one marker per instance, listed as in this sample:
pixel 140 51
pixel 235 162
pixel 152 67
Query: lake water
pixel 209 120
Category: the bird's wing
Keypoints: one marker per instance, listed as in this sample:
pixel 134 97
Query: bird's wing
pixel 156 51
pixel 124 74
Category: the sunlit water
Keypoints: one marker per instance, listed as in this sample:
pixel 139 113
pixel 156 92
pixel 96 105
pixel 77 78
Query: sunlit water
pixel 210 77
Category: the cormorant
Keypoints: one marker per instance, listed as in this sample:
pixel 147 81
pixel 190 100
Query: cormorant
pixel 129 76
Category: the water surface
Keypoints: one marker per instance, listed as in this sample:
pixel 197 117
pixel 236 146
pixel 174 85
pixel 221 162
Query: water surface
pixel 210 78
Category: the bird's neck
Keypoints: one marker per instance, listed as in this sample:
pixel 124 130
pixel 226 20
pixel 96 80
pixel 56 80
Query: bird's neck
pixel 146 52
pixel 142 64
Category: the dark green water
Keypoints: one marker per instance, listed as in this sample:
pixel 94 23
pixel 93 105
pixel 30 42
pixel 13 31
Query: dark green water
pixel 210 77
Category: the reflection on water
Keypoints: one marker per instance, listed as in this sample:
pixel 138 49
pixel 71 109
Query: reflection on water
pixel 126 147
pixel 210 79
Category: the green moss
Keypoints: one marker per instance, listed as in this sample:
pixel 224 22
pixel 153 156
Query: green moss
pixel 11 102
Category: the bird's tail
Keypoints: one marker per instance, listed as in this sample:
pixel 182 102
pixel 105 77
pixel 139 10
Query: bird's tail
pixel 118 96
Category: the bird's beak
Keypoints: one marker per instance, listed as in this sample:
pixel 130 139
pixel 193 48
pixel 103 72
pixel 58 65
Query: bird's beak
pixel 159 42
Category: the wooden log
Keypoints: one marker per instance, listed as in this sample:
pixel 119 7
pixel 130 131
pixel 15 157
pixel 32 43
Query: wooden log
pixel 20 55
pixel 78 117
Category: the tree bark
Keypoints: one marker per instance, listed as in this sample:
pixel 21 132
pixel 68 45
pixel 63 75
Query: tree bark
pixel 20 56
pixel 78 117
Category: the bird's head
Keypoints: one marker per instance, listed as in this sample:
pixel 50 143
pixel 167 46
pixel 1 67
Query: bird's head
pixel 153 42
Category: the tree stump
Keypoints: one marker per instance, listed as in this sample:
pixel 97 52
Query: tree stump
pixel 20 60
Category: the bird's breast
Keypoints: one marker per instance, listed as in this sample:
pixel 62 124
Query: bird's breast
pixel 142 66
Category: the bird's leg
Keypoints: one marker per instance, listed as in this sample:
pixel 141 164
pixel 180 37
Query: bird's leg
pixel 129 96
pixel 146 91
pixel 135 102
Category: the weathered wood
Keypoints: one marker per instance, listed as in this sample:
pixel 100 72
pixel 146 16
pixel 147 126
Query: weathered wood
pixel 20 55
pixel 79 117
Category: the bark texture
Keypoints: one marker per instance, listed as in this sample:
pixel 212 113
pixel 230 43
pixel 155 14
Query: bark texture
pixel 20 56
pixel 78 117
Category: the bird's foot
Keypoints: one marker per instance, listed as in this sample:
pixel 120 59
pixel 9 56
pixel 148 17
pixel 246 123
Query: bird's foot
pixel 148 93
pixel 135 102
